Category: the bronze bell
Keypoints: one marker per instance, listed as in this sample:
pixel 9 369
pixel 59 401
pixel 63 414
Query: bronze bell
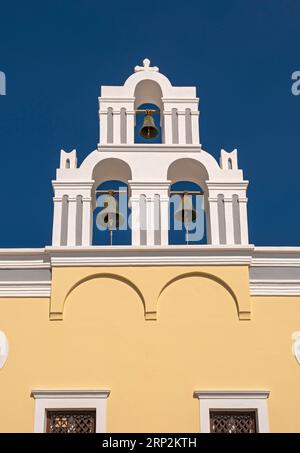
pixel 148 129
pixel 185 212
pixel 110 217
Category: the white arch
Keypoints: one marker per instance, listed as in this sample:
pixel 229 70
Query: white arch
pixel 148 92
pixel 111 168
pixel 187 169
pixel 137 77
pixel 140 163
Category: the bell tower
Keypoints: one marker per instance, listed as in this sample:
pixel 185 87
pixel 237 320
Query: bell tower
pixel 169 153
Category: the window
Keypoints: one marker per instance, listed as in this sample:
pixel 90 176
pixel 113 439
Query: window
pixel 70 411
pixel 240 411
pixel 232 422
pixel 71 421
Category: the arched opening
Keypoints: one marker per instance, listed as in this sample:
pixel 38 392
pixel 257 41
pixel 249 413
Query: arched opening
pixel 111 178
pixel 188 184
pixel 155 117
pixel 148 96
pixel 111 214
pixel 187 214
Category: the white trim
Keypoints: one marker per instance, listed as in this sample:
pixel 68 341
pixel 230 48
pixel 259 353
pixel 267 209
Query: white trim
pixel 153 147
pixel 24 264
pixel 236 400
pixel 276 256
pixel 25 289
pixel 24 258
pixel 149 256
pixel 261 262
pixel 274 287
pixel 232 394
pixel 146 261
pixel 69 399
pixel 276 262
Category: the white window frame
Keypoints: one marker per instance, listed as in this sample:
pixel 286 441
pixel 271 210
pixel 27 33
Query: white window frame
pixel 66 400
pixel 233 400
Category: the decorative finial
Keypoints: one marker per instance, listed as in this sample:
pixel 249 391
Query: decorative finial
pixel 146 66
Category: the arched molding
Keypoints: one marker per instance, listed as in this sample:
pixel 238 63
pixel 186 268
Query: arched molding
pixel 150 76
pixel 207 162
pixel 149 294
pixel 111 169
pixel 56 312
pixel 187 169
pixel 148 92
pixel 242 310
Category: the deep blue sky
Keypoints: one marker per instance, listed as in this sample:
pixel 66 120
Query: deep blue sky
pixel 239 54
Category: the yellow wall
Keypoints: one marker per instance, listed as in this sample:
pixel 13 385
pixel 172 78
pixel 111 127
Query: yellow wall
pixel 151 366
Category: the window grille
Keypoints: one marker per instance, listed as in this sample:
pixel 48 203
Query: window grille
pixel 233 422
pixel 71 421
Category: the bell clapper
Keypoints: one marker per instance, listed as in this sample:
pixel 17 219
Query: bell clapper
pixel 110 227
pixel 186 226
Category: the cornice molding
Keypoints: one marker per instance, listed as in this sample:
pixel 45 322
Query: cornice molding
pixel 149 256
pixel 228 185
pixel 274 287
pixel 70 394
pixel 271 268
pixel 72 184
pixel 25 289
pixel 24 259
pixel 231 394
pixel 150 147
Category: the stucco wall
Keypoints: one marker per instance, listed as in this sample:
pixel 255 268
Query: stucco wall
pixel 152 367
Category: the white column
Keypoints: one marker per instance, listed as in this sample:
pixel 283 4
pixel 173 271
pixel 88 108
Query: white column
pixel 168 130
pixel 243 220
pixel 150 220
pixel 87 221
pixel 181 128
pixel 195 128
pixel 72 205
pixel 135 220
pixel 130 127
pixel 164 220
pixel 57 219
pixel 214 220
pixel 229 220
pixel 116 128
pixel 103 127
